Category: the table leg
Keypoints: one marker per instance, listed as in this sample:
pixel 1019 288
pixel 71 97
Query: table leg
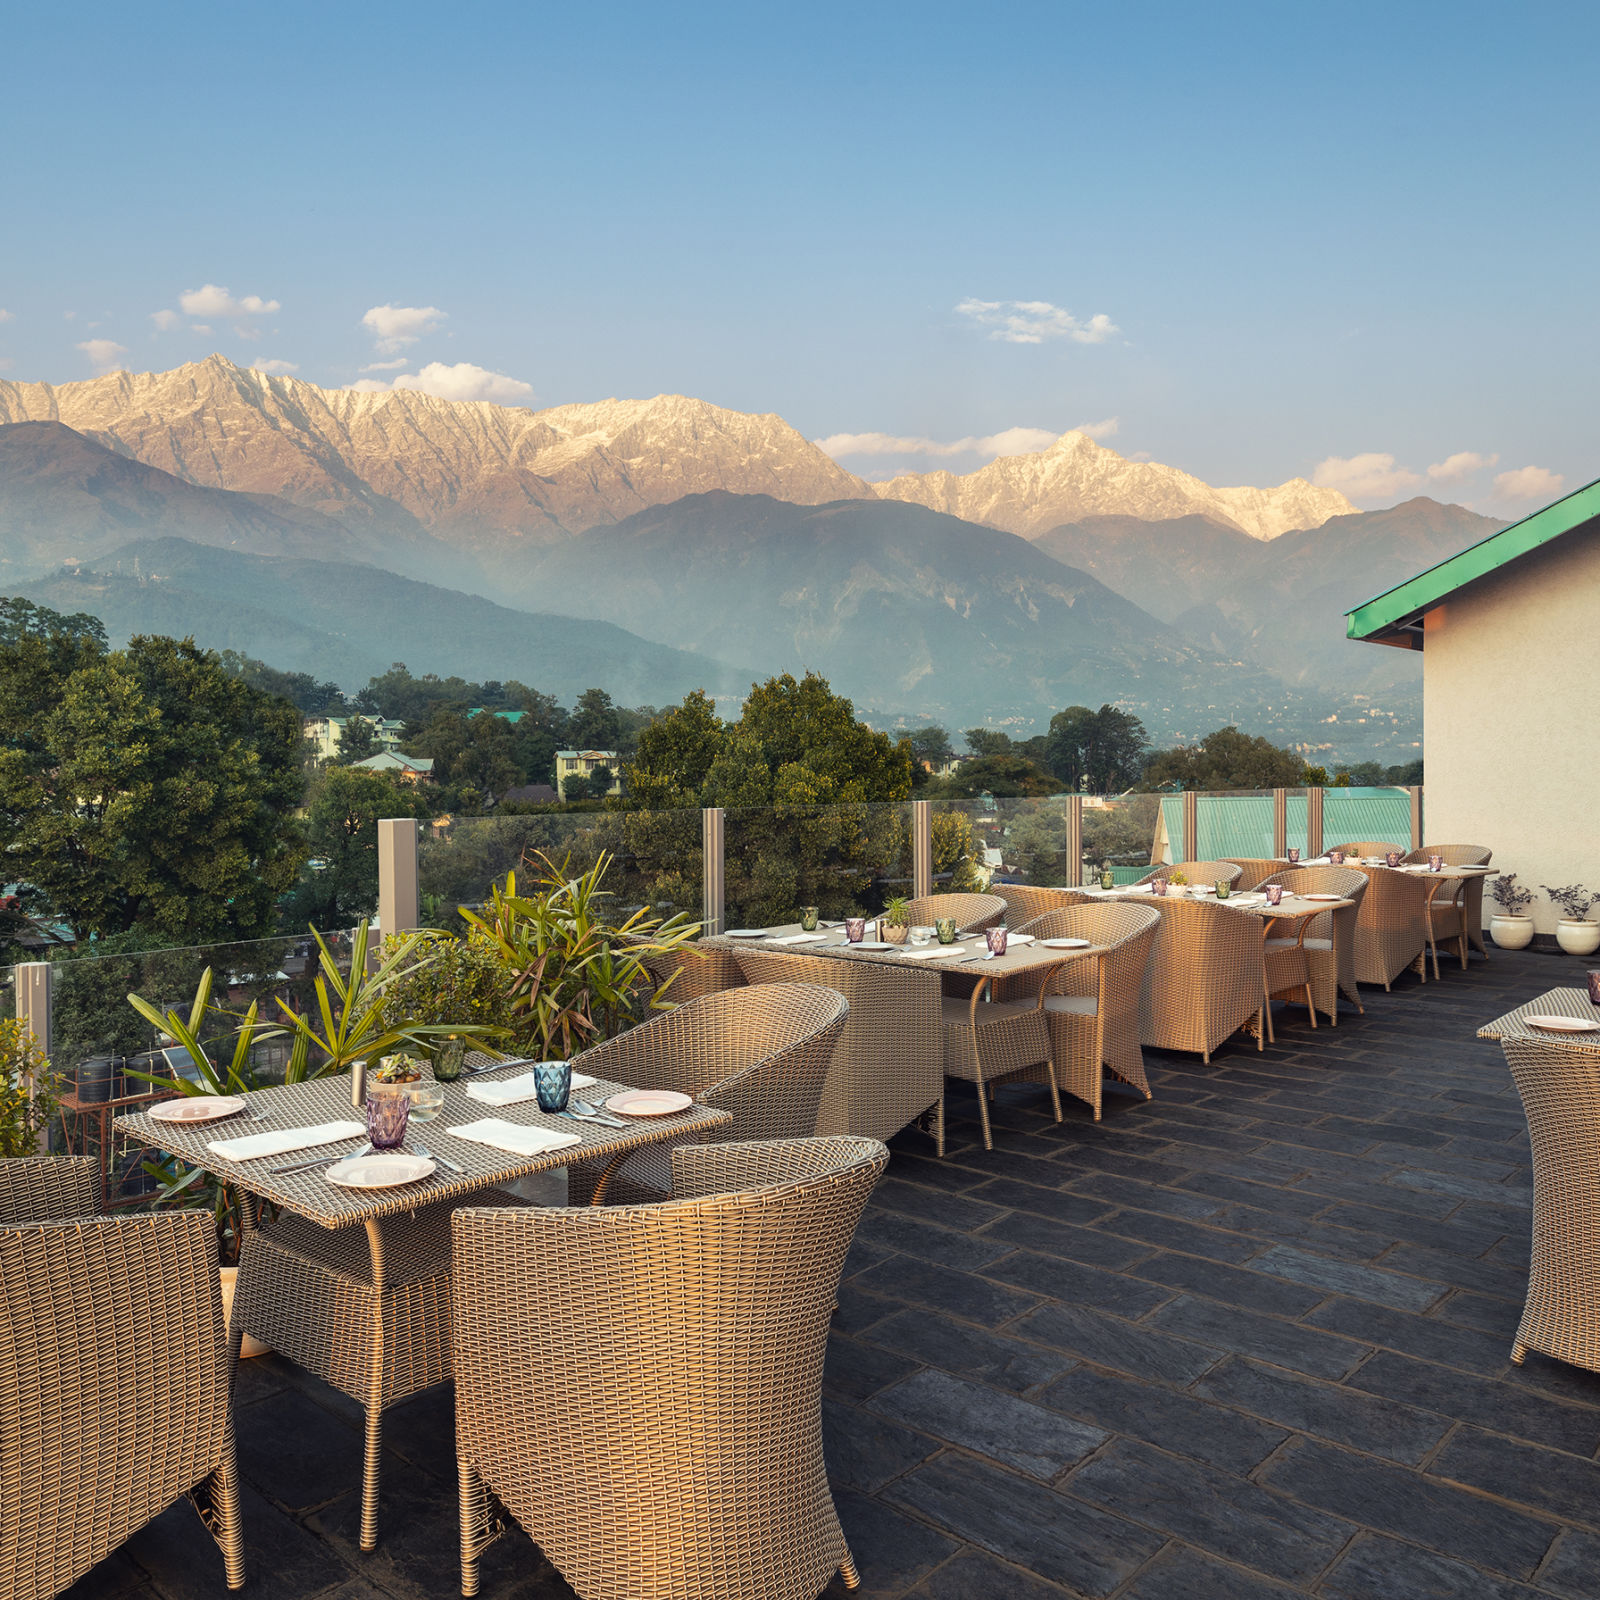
pixel 599 1196
pixel 374 1439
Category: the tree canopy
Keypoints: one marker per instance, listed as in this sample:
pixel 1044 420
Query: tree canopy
pixel 22 619
pixel 1101 751
pixel 1226 759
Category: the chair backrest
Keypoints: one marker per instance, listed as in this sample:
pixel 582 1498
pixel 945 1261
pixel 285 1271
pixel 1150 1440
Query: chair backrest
pixel 973 912
pixel 694 1438
pixel 692 972
pixel 1350 882
pixel 1366 847
pixel 48 1188
pixel 1127 933
pixel 888 1066
pixel 1198 871
pixel 1024 901
pixel 1392 926
pixel 1253 869
pixel 1206 974
pixel 763 1054
pixel 1455 855
pixel 113 1386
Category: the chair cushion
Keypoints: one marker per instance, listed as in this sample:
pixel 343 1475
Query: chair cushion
pixel 1083 1005
pixel 956 1013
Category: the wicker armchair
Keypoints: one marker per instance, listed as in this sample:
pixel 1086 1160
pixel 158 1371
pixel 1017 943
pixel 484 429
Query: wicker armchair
pixel 763 1054
pixel 1328 940
pixel 114 1381
pixel 1560 1088
pixel 1024 902
pixel 1255 870
pixel 640 1387
pixel 1364 847
pixel 973 912
pixel 1205 979
pixel 1091 1007
pixel 1198 871
pixel 1392 926
pixel 1464 855
pixel 692 972
pixel 886 1067
pixel 48 1188
pixel 1446 912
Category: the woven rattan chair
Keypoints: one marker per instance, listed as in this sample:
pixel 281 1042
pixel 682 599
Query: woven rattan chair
pixel 1364 847
pixel 1024 902
pixel 1255 870
pixel 1446 912
pixel 640 1387
pixel 1205 979
pixel 689 973
pixel 114 1397
pixel 1198 871
pixel 973 912
pixel 762 1053
pixel 1091 1007
pixel 1392 926
pixel 887 1066
pixel 1328 940
pixel 1464 855
pixel 1560 1088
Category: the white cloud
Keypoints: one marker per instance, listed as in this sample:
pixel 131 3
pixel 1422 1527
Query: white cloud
pixel 274 366
pixel 103 352
pixel 212 300
pixel 1528 483
pixel 6 316
pixel 166 321
pixel 1105 429
pixel 395 327
pixel 385 366
pixel 1459 467
pixel 1034 321
pixel 462 381
pixel 1372 476
pixel 1010 442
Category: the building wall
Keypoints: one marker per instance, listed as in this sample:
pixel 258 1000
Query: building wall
pixel 1511 718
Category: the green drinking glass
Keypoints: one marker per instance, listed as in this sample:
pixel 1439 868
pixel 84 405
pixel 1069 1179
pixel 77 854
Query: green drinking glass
pixel 808 919
pixel 1224 888
pixel 447 1060
pixel 945 928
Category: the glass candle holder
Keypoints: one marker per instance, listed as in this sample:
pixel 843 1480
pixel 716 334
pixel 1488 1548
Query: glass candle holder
pixel 1336 857
pixel 996 938
pixel 1392 859
pixel 1158 886
pixel 1274 894
pixel 388 1112
pixel 1594 987
pixel 1223 888
pixel 1293 853
pixel 552 1083
pixel 921 934
pixel 447 1060
pixel 1435 863
pixel 808 919
pixel 427 1098
pixel 1107 879
pixel 945 928
pixel 855 929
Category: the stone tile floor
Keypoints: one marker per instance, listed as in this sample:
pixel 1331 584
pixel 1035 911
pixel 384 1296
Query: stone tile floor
pixel 1245 1342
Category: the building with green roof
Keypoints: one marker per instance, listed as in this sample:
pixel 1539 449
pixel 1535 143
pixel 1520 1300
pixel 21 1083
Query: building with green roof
pixel 1231 826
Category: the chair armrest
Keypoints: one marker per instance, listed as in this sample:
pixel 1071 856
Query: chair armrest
pixel 44 1188
pixel 702 1169
pixel 636 1062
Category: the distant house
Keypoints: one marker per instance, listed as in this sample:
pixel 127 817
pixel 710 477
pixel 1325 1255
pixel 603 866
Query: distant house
pixel 582 763
pixel 513 717
pixel 1510 689
pixel 408 769
pixel 1234 825
pixel 946 766
pixel 327 733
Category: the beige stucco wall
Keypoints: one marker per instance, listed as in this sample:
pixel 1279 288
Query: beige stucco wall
pixel 1511 719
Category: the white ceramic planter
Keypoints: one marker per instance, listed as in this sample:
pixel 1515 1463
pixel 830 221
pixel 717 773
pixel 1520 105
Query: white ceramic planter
pixel 230 1281
pixel 1578 937
pixel 1511 932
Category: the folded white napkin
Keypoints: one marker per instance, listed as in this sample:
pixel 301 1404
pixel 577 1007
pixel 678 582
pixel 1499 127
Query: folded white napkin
pixel 282 1140
pixel 513 1136
pixel 799 938
pixel 513 1091
pixel 1021 938
pixel 932 950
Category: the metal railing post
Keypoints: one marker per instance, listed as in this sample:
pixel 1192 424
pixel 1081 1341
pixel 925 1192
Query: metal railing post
pixel 713 883
pixel 921 849
pixel 1416 816
pixel 399 908
pixel 1191 826
pixel 1280 824
pixel 33 980
pixel 1074 862
pixel 1313 823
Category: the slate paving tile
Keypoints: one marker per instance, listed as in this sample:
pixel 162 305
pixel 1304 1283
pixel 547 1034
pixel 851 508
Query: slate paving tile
pixel 1068 1542
pixel 1487 1277
pixel 1003 1163
pixel 1503 1407
pixel 1067 1280
pixel 893 1231
pixel 1181 1137
pixel 1061 1204
pixel 1387 1132
pixel 1246 1192
pixel 1571 1566
pixel 1428 1338
pixel 1515 1217
pixel 1146 1196
pixel 1212 1116
pixel 932 1205
pixel 1383 1287
pixel 1087 1158
pixel 1165 1417
pixel 1273 1339
pixel 1424 1510
pixel 1498 1171
pixel 1526 1473
pixel 1376 1568
pixel 1180 1573
pixel 856 1310
pixel 1489 1313
pixel 1226 1515
pixel 864 1450
pixel 296 1451
pixel 891 1551
pixel 1347 1244
pixel 1021 1435
pixel 855 1369
pixel 1330 1411
pixel 1360 1191
pixel 1049 1237
pixel 975 1576
pixel 111 1579
pixel 1188 1238
pixel 1290 1134
pixel 1396 1227
pixel 861 1255
pixel 1122 1346
pixel 994 1358
pixel 1236 1285
pixel 963 1295
pixel 1555 1377
pixel 932 1172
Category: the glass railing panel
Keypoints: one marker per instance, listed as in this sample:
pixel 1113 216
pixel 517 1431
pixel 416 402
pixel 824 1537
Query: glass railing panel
pixel 1125 832
pixel 845 860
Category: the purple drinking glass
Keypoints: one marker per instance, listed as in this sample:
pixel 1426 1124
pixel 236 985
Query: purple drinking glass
pixel 1274 894
pixel 995 938
pixel 1293 853
pixel 1435 863
pixel 1594 987
pixel 1393 859
pixel 1158 886
pixel 388 1111
pixel 855 929
pixel 1336 857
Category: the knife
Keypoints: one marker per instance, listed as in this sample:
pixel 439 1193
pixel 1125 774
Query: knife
pixel 320 1161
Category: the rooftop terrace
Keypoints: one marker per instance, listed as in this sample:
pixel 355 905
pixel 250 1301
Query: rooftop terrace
pixel 1248 1340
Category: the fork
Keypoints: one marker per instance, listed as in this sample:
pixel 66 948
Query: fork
pixel 590 1113
pixel 444 1161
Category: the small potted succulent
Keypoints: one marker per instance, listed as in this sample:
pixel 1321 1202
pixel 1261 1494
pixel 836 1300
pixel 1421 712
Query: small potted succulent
pixel 1178 883
pixel 1577 932
pixel 1511 925
pixel 895 924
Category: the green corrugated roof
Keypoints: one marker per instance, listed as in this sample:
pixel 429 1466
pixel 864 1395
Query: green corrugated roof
pixel 1394 617
pixel 1233 825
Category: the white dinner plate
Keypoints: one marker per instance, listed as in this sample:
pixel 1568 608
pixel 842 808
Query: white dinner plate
pixel 1322 897
pixel 747 933
pixel 649 1102
pixel 1563 1024
pixel 1065 944
pixel 872 944
pixel 197 1108
pixel 386 1169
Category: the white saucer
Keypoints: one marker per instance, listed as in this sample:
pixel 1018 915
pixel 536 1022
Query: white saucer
pixel 747 933
pixel 872 944
pixel 197 1108
pixel 1065 944
pixel 386 1169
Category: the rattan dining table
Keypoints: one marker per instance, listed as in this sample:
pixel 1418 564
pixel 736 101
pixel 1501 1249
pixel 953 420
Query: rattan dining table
pixel 1574 1003
pixel 372 1316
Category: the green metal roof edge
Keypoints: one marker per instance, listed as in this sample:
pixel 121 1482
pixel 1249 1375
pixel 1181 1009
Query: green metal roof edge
pixel 1382 613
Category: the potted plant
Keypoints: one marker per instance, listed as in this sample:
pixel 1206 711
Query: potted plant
pixel 1511 925
pixel 1178 882
pixel 895 924
pixel 1577 932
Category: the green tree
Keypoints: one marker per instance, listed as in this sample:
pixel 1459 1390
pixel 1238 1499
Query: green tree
pixel 147 787
pixel 22 619
pixel 594 724
pixel 357 742
pixel 1006 777
pixel 1226 759
pixel 675 754
pixel 300 688
pixel 986 742
pixel 930 744
pixel 1101 751
pixel 472 756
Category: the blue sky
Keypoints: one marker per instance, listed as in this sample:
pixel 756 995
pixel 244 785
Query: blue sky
pixel 1311 235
